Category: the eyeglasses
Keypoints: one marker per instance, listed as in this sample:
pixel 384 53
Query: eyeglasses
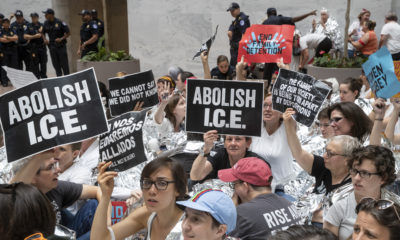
pixel 380 204
pixel 335 119
pixel 267 105
pixel 363 174
pixel 233 184
pixel 330 154
pixel 159 184
pixel 54 166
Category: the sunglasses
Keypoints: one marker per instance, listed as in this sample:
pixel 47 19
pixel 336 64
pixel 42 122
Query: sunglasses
pixel 335 119
pixel 380 204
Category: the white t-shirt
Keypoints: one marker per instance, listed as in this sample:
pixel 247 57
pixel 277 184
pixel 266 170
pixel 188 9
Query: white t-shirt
pixel 392 29
pixel 311 41
pixel 275 150
pixel 342 214
pixel 357 35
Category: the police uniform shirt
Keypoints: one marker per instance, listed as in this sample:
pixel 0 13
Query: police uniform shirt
pixel 239 26
pixel 20 29
pixel 88 30
pixel 100 24
pixel 34 29
pixel 55 29
pixel 9 32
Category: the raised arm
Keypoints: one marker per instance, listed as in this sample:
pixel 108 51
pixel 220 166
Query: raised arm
pixel 299 18
pixel 29 170
pixel 206 67
pixel 389 132
pixel 201 167
pixel 159 115
pixel 240 69
pixel 379 108
pixel 303 158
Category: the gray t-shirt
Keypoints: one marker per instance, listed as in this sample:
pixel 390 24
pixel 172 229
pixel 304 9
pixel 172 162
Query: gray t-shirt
pixel 264 215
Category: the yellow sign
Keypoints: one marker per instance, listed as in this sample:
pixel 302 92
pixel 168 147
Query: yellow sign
pixel 397 72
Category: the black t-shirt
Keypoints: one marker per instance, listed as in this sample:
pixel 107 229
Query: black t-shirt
pixel 220 160
pixel 64 195
pixel 323 177
pixel 264 215
pixel 217 74
pixel 278 20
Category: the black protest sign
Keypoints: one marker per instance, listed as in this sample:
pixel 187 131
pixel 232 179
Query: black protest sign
pixel 123 144
pixel 230 107
pixel 51 112
pixel 126 91
pixel 207 45
pixel 301 92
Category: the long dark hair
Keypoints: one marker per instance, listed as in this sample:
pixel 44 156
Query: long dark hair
pixel 169 109
pixel 24 211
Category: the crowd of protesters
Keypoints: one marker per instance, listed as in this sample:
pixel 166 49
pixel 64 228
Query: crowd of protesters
pixel 350 153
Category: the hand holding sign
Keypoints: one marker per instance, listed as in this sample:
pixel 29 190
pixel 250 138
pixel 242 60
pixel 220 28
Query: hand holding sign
pixel 379 108
pixel 209 138
pixel 106 179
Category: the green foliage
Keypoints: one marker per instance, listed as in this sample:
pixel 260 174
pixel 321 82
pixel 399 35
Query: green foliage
pixel 105 56
pixel 335 62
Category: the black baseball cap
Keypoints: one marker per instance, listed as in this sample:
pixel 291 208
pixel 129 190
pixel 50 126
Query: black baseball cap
pixel 34 14
pixel 1 16
pixel 49 11
pixel 94 11
pixel 19 13
pixel 271 11
pixel 233 6
pixel 84 12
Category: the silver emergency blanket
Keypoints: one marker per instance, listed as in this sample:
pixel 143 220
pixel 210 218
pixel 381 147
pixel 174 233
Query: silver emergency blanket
pixel 332 31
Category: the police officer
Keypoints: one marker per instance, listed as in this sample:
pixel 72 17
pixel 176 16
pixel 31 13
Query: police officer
pixel 58 32
pixel 89 34
pixel 236 30
pixel 36 46
pixel 100 23
pixel 8 39
pixel 19 26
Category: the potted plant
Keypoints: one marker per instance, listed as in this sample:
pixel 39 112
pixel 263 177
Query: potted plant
pixel 107 63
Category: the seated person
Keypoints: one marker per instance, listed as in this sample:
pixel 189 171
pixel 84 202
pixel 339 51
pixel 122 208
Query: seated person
pixel 209 214
pixel 303 232
pixel 260 212
pixel 208 163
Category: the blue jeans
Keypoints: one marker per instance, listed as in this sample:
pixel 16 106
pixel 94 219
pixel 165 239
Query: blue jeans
pixel 281 193
pixel 81 223
pixel 350 53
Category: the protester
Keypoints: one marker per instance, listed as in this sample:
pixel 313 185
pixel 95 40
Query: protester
pixel 324 125
pixel 8 47
pixel 174 71
pixel 349 119
pixel 236 30
pixel 394 117
pixel 209 214
pixel 161 84
pixel 222 71
pixel 58 32
pixel 181 81
pixel 89 34
pixel 377 219
pixel 371 169
pixel 328 26
pixel 26 213
pixel 350 89
pixel 368 43
pixel 318 42
pixel 366 91
pixel 272 146
pixel 163 182
pixel 355 30
pixel 258 207
pixel 390 36
pixel 303 232
pixel 379 109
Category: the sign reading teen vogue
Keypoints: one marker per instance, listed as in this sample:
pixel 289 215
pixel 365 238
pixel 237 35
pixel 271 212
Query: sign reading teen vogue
pixel 51 112
pixel 230 107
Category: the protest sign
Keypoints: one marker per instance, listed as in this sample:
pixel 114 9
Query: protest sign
pixel 126 91
pixel 379 70
pixel 267 43
pixel 123 144
pixel 51 112
pixel 397 72
pixel 19 78
pixel 117 211
pixel 301 92
pixel 206 46
pixel 230 107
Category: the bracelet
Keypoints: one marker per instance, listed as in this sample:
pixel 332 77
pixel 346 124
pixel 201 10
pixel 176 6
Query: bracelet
pixel 378 119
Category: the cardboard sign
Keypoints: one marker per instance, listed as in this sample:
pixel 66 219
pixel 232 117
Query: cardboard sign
pixel 19 78
pixel 126 91
pixel 397 72
pixel 51 112
pixel 123 144
pixel 207 45
pixel 118 209
pixel 301 92
pixel 267 43
pixel 230 107
pixel 379 70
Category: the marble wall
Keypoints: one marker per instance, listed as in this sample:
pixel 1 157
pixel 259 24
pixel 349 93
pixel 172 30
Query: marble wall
pixel 169 32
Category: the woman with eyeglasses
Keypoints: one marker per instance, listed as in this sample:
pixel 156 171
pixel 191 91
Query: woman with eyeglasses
pixel 347 118
pixel 26 213
pixel 163 182
pixel 331 170
pixel 377 219
pixel 371 169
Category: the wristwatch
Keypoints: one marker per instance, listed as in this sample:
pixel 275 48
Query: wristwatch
pixel 202 153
